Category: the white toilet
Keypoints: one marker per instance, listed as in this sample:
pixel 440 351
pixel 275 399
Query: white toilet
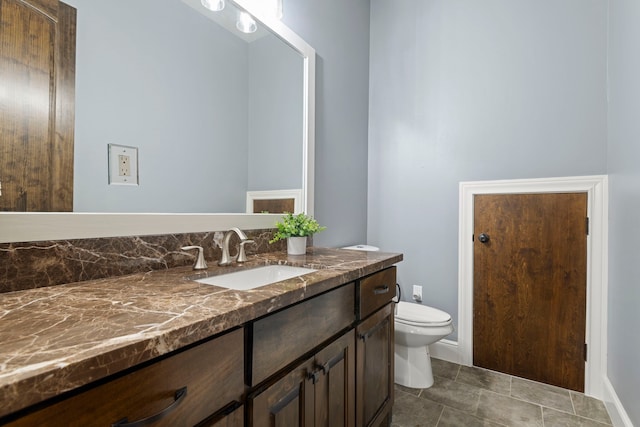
pixel 417 326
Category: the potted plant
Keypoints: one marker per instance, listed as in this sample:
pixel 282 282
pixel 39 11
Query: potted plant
pixel 296 228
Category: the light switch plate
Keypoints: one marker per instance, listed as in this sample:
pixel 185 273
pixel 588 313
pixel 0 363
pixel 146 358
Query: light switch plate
pixel 123 165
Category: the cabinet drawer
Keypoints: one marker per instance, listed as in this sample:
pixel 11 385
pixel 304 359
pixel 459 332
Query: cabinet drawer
pixel 212 373
pixel 376 290
pixel 281 338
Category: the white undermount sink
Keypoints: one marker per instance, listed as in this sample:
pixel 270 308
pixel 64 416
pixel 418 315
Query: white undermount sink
pixel 254 278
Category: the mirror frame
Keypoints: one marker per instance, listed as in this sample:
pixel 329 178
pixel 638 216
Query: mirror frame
pixel 39 226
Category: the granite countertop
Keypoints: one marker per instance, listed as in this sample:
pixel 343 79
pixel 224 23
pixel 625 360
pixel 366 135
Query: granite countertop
pixel 58 338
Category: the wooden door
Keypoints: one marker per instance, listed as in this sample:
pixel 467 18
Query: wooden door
pixel 335 382
pixel 375 353
pixel 529 305
pixel 274 205
pixel 37 68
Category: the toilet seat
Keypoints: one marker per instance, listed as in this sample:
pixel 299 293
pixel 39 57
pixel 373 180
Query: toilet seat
pixel 420 315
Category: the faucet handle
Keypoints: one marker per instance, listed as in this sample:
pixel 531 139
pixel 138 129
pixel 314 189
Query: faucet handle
pixel 242 256
pixel 200 263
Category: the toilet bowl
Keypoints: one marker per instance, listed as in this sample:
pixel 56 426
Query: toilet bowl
pixel 417 326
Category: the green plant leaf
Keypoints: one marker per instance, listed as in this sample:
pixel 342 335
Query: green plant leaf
pixel 300 225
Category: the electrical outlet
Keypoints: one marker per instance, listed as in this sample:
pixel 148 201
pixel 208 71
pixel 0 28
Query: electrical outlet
pixel 417 293
pixel 123 165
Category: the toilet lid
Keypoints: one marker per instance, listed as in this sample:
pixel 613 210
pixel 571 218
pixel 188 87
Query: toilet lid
pixel 417 314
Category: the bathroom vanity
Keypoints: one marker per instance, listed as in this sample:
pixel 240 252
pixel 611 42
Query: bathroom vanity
pixel 161 349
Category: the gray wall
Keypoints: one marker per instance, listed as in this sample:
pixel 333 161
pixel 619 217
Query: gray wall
pixel 275 116
pixel 339 32
pixel 177 89
pixel 624 203
pixel 464 91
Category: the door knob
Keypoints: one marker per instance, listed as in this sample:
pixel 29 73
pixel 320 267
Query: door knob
pixel 484 238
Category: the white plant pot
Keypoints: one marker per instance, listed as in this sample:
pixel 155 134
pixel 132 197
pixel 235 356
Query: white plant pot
pixel 296 245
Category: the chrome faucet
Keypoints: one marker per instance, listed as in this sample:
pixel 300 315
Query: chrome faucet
pixel 226 259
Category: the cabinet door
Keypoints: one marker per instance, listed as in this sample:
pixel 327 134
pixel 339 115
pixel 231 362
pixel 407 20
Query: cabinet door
pixel 287 403
pixel 335 383
pixel 227 418
pixel 375 367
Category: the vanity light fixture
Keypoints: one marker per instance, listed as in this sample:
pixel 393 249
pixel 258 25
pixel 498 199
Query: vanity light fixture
pixel 268 7
pixel 277 7
pixel 246 23
pixel 213 5
pixel 272 7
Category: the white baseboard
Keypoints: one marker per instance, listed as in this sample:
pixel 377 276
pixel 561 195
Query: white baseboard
pixel 619 417
pixel 446 350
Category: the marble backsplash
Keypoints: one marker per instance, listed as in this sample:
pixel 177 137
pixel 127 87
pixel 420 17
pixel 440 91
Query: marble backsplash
pixel 29 265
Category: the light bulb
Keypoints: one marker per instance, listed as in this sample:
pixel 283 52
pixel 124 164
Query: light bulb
pixel 214 5
pixel 246 24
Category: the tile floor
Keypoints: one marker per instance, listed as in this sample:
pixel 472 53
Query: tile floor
pixel 468 397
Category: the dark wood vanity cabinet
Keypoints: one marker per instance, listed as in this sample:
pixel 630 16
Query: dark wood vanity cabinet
pixel 318 392
pixel 375 348
pixel 349 380
pixel 286 403
pixel 326 361
pixel 334 375
pixel 203 384
pixel 281 338
pixel 225 418
pixel 375 368
pixel 301 373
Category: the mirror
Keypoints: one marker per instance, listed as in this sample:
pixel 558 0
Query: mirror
pixel 213 112
pixel 223 167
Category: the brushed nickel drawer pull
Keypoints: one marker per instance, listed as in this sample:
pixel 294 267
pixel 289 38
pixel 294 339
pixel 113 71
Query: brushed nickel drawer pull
pixel 332 362
pixel 178 398
pixel 325 368
pixel 381 290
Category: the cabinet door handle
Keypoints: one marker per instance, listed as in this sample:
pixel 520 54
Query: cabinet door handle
pixel 381 290
pixel 325 368
pixel 333 362
pixel 177 399
pixel 314 376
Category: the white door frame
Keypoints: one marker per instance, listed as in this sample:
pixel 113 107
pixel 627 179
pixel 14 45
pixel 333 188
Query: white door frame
pixel 596 188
